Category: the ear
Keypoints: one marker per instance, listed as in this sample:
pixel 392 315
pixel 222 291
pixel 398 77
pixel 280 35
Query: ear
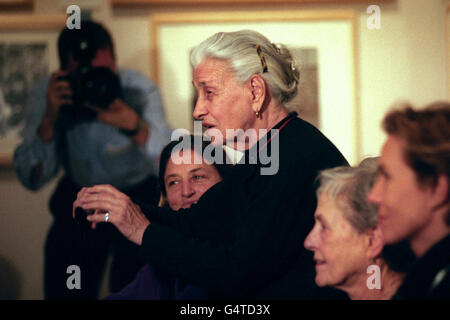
pixel 257 86
pixel 440 192
pixel 375 242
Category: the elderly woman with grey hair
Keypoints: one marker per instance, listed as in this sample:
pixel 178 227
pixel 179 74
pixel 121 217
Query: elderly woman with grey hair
pixel 246 232
pixel 346 239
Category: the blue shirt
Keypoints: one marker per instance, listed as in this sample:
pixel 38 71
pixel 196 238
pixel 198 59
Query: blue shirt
pixel 94 152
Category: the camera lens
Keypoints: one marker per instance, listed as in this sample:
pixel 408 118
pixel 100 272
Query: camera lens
pixel 99 86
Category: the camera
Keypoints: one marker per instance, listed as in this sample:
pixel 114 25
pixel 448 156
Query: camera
pixel 98 86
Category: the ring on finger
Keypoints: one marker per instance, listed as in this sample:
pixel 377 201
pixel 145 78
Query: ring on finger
pixel 107 216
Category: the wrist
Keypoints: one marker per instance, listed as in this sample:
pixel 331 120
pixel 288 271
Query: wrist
pixel 46 129
pixel 140 233
pixel 140 124
pixel 50 115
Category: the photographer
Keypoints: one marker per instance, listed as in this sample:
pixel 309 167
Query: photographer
pixel 102 125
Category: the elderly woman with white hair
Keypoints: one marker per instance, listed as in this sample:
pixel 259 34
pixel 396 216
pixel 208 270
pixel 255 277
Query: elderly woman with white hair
pixel 246 232
pixel 347 241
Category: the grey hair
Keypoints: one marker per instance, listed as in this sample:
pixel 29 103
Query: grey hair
pixel 349 187
pixel 239 49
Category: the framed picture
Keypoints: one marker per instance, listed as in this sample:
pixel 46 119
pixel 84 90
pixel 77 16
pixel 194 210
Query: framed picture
pixel 124 3
pixel 28 52
pixel 324 43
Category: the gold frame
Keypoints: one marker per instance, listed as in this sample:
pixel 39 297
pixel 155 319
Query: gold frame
pixel 159 19
pixel 32 23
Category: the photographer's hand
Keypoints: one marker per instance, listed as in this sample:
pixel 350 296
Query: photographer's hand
pixel 58 94
pixel 121 116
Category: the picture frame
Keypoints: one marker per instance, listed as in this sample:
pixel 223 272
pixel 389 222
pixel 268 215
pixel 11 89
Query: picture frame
pixel 333 33
pixel 447 36
pixel 28 51
pixel 124 3
pixel 16 4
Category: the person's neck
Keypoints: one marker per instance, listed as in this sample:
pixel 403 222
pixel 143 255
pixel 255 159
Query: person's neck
pixel 265 121
pixel 431 234
pixel 390 281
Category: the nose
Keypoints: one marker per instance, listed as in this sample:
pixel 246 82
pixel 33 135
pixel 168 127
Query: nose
pixel 200 110
pixel 310 241
pixel 374 195
pixel 187 190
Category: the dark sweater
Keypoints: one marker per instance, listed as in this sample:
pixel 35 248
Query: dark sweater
pixel 429 278
pixel 247 231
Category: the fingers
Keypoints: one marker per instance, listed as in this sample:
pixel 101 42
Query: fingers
pixel 100 199
pixel 119 115
pixel 93 107
pixel 98 218
pixel 94 224
pixel 106 189
pixel 59 73
pixel 99 204
pixel 59 91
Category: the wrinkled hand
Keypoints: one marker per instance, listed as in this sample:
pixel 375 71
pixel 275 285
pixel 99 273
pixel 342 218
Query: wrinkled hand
pixel 123 213
pixel 118 115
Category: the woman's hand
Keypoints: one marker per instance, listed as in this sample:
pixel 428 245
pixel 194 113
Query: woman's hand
pixel 123 213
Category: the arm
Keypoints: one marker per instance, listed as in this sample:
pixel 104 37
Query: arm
pixel 140 115
pixel 37 159
pixel 178 220
pixel 261 243
pixel 256 245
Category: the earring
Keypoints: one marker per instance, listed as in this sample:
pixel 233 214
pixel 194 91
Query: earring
pixel 257 114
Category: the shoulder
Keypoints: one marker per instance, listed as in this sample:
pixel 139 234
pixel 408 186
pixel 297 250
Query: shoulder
pixel 130 77
pixel 303 143
pixel 430 276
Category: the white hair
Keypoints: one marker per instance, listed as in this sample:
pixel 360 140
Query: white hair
pixel 349 187
pixel 241 50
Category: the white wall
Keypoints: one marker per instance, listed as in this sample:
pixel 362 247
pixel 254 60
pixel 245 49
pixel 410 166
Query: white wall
pixel 405 59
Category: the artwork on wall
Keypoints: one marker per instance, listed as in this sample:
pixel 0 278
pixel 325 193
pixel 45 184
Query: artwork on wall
pixel 322 41
pixel 27 54
pixel 21 65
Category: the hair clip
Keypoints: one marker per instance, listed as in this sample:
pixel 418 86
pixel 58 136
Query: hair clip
pixel 261 57
pixel 294 69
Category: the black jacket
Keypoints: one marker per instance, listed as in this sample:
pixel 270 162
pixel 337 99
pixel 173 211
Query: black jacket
pixel 429 278
pixel 247 231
